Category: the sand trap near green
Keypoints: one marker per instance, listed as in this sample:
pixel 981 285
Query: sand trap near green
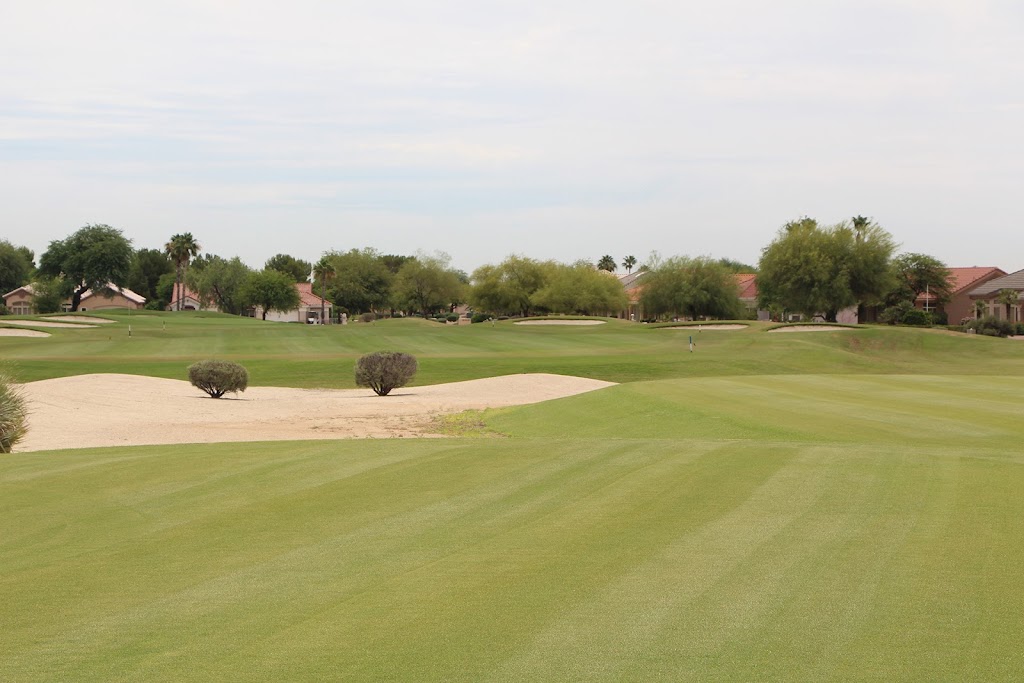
pixel 10 332
pixel 560 322
pixel 812 328
pixel 129 410
pixel 80 319
pixel 44 323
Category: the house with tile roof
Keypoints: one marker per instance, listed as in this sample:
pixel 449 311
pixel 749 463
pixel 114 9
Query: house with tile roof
pixel 631 283
pixel 20 300
pixel 110 296
pixel 308 310
pixel 988 295
pixel 190 301
pixel 962 281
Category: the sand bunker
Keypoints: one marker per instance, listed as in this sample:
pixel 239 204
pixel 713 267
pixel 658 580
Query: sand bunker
pixel 560 322
pixel 128 410
pixel 812 328
pixel 705 328
pixel 43 323
pixel 8 332
pixel 79 319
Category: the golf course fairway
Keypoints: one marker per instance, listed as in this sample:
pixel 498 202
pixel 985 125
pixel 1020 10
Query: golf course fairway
pixel 701 524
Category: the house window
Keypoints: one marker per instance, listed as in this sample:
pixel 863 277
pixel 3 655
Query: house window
pixel 21 308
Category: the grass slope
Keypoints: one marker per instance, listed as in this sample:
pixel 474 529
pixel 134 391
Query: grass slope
pixel 279 354
pixel 693 538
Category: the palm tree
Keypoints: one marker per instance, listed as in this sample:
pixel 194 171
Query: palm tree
pixel 181 249
pixel 628 263
pixel 980 306
pixel 322 272
pixel 1009 298
pixel 606 263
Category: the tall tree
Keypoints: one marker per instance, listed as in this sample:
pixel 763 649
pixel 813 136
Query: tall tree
pixel 91 258
pixel 915 274
pixel 221 282
pixel 362 281
pixel 428 284
pixel 285 263
pixel 508 287
pixel 815 270
pixel 181 249
pixel 734 266
pixel 16 265
pixel 323 272
pixel 580 289
pixel 628 263
pixel 271 290
pixel 148 265
pixel 606 263
pixel 691 287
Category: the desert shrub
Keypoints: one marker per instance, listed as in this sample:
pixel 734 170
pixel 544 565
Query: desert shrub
pixel 4 310
pixel 367 318
pixel 452 317
pixel 940 318
pixel 479 318
pixel 1019 329
pixel 992 327
pixel 383 371
pixel 13 415
pixel 916 316
pixel 217 377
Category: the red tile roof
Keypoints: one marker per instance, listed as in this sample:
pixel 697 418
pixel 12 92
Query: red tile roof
pixel 965 278
pixel 307 296
pixel 747 283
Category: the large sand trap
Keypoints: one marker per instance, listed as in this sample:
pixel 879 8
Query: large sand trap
pixel 560 322
pixel 43 323
pixel 704 328
pixel 812 328
pixel 79 319
pixel 8 332
pixel 128 410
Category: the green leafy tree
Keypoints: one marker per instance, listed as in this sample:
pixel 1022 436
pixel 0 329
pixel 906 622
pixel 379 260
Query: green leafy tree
pixel 736 266
pixel 181 249
pixel 323 272
pixel 508 287
pixel 270 290
pixel 394 262
pixel 221 282
pixel 362 281
pixel 428 284
pixel 815 270
pixel 606 263
pixel 582 290
pixel 90 258
pixel 16 266
pixel 147 266
pixel 629 263
pixel 48 293
pixel 297 268
pixel 915 274
pixel 691 287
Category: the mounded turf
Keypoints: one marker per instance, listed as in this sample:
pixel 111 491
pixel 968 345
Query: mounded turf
pixel 281 354
pixel 812 521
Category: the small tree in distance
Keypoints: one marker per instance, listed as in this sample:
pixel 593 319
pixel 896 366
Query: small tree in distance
pixel 607 262
pixel 218 377
pixel 383 371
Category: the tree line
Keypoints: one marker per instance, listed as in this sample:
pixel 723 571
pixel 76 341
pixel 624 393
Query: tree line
pixel 807 268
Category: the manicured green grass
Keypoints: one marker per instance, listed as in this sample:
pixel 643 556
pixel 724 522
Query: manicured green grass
pixel 280 354
pixel 856 529
pixel 827 506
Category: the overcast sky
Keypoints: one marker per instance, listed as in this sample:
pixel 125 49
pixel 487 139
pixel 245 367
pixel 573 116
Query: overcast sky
pixel 560 130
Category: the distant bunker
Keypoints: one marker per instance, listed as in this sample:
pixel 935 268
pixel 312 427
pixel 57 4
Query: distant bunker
pixel 560 322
